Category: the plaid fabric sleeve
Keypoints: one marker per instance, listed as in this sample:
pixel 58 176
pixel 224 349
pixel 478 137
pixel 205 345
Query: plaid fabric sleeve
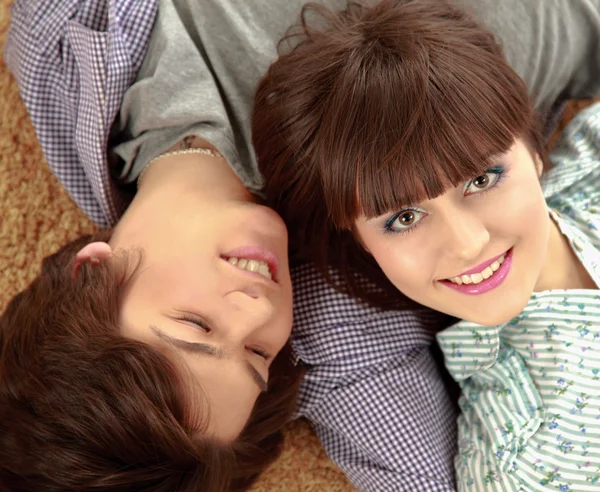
pixel 73 61
pixel 373 390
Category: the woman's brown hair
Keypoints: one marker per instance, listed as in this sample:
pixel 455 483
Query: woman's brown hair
pixel 83 408
pixel 378 107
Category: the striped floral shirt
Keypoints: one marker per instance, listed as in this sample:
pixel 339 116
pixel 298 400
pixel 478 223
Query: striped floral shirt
pixel 531 407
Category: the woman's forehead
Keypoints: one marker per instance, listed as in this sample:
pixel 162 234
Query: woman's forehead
pixel 373 169
pixel 409 186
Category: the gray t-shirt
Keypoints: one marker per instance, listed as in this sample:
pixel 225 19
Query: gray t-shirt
pixel 206 57
pixel 204 60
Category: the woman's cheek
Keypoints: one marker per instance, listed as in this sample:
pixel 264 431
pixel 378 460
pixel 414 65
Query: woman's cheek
pixel 404 267
pixel 520 209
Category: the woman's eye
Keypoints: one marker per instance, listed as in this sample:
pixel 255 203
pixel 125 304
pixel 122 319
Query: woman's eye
pixel 407 218
pixel 483 182
pixel 404 220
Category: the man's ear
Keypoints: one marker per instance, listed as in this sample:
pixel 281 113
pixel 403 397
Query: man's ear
pixel 95 253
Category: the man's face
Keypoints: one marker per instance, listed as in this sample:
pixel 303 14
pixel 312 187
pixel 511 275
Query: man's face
pixel 213 287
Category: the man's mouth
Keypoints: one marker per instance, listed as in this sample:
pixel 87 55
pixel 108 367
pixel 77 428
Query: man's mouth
pixel 256 266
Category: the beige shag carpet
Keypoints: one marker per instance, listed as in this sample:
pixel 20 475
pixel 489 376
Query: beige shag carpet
pixel 37 217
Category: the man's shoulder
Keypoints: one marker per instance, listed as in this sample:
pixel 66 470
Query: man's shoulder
pixel 331 326
pixel 73 61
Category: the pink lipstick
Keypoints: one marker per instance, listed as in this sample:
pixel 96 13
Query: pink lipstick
pixel 487 284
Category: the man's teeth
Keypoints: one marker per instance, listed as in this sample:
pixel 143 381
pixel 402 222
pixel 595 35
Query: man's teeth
pixel 256 266
pixel 477 278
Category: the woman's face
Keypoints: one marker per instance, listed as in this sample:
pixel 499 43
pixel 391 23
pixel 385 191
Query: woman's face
pixel 213 286
pixel 475 252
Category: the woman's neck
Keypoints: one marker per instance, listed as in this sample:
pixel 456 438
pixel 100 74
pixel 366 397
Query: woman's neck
pixel 562 268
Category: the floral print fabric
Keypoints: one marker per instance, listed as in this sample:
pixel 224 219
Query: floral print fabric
pixel 530 404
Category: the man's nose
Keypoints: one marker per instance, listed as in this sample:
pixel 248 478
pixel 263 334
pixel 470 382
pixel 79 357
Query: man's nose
pixel 253 305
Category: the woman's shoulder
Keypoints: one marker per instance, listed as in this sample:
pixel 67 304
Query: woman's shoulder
pixel 575 173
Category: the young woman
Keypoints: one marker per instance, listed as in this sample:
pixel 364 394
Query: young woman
pixel 412 149
pixel 177 352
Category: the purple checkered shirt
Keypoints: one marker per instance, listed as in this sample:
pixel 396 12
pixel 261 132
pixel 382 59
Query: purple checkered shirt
pixel 373 390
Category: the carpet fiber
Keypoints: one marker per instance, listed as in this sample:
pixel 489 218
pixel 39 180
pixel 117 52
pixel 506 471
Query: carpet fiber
pixel 37 217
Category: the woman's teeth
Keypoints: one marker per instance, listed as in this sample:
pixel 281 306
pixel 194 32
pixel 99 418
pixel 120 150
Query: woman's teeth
pixel 477 278
pixel 256 266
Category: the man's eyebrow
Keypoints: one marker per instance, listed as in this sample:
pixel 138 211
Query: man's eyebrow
pixel 207 349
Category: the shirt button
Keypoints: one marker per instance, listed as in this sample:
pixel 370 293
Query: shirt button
pixel 578 243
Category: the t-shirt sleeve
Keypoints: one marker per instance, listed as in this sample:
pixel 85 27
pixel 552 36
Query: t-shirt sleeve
pixel 554 45
pixel 175 95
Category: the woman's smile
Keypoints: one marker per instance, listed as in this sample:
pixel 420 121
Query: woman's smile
pixel 482 278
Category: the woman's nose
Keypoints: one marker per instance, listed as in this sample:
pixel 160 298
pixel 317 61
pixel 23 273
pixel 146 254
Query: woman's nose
pixel 465 236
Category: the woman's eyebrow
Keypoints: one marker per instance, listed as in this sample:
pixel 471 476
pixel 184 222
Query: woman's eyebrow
pixel 207 349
